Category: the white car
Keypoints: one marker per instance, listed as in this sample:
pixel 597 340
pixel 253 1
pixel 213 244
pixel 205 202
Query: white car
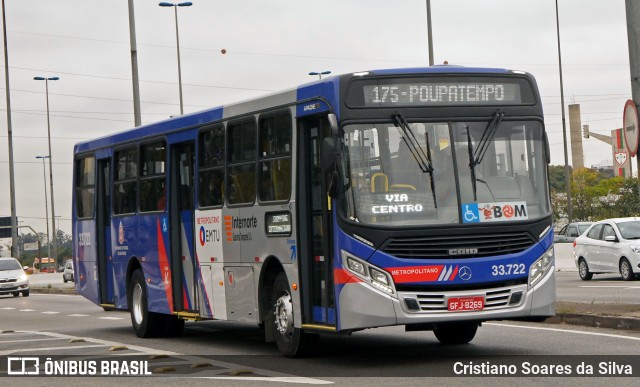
pixel 13 279
pixel 609 246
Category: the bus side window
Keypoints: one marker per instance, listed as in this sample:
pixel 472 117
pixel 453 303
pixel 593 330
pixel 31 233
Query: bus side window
pixel 85 187
pixel 211 170
pixel 241 181
pixel 275 157
pixel 126 184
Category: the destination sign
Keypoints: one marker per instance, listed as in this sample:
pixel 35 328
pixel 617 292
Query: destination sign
pixel 440 91
pixel 407 94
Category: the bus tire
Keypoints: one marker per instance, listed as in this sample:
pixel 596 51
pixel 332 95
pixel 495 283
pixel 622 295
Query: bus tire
pixel 456 333
pixel 173 326
pixel 145 323
pixel 291 341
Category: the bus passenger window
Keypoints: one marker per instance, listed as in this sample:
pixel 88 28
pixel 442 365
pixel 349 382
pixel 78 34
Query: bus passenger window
pixel 126 184
pixel 211 186
pixel 275 157
pixel 211 170
pixel 152 181
pixel 241 171
pixel 85 187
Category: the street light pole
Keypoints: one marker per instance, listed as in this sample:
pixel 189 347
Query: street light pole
pixel 12 185
pixel 567 172
pixel 53 211
pixel 320 74
pixel 429 33
pixel 46 205
pixel 175 8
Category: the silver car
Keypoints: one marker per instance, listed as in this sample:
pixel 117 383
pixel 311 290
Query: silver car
pixel 67 275
pixel 13 279
pixel 609 246
pixel 570 232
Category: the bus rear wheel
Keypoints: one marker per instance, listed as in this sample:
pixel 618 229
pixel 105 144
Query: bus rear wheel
pixel 291 341
pixel 145 323
pixel 456 333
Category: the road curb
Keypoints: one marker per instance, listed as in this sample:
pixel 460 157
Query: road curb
pixel 596 321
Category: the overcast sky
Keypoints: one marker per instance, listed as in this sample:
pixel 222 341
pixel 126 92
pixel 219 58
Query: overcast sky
pixel 272 45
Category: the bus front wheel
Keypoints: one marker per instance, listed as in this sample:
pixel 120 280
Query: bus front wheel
pixel 145 323
pixel 456 333
pixel 291 341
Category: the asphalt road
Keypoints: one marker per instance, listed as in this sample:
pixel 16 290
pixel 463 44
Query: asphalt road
pixel 46 324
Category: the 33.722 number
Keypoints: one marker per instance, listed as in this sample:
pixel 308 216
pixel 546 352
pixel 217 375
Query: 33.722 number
pixel 517 268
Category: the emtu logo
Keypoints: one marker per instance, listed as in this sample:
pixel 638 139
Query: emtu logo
pixel 202 235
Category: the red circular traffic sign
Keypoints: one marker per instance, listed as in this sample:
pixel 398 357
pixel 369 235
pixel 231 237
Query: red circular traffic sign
pixel 630 127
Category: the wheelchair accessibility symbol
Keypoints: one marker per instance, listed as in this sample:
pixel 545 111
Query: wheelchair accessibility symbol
pixel 470 213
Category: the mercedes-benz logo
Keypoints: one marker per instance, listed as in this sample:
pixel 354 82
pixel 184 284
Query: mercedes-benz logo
pixel 465 273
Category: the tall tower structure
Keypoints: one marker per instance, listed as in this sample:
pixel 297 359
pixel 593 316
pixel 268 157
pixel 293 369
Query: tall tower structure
pixel 575 130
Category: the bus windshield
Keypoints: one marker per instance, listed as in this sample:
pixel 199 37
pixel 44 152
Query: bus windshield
pixel 397 178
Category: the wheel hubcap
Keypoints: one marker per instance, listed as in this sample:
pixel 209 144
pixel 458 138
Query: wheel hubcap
pixel 583 269
pixel 136 300
pixel 625 269
pixel 284 315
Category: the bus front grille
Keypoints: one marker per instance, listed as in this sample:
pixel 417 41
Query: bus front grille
pixel 437 302
pixel 458 246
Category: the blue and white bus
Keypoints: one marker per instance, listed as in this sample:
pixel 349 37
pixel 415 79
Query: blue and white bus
pixel 415 197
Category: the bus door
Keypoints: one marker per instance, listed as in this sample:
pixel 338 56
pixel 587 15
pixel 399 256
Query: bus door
pixel 315 258
pixel 103 233
pixel 182 257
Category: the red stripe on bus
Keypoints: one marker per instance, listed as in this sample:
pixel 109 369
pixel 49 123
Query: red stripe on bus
pixel 455 272
pixel 164 267
pixel 415 273
pixel 341 276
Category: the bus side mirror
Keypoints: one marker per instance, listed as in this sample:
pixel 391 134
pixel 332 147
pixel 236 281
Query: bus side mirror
pixel 333 123
pixel 332 187
pixel 547 148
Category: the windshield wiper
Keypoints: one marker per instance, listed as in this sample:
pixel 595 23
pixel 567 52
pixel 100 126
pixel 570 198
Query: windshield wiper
pixel 423 160
pixel 475 158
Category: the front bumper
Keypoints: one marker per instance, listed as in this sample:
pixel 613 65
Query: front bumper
pixel 362 306
pixel 12 287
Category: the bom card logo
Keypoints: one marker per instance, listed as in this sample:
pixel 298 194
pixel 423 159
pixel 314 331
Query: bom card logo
pixel 494 212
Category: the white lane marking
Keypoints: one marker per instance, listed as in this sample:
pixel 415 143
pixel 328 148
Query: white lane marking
pixel 144 350
pixel 78 315
pixel 12 351
pixel 22 341
pixel 50 312
pixel 111 318
pixel 8 308
pixel 55 295
pixel 610 286
pixel 566 331
pixel 277 379
pixel 27 310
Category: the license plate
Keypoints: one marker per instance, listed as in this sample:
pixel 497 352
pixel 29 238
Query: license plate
pixel 460 304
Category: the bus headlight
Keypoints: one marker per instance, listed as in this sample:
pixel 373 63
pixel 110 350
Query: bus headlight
pixel 356 266
pixel 376 277
pixel 541 267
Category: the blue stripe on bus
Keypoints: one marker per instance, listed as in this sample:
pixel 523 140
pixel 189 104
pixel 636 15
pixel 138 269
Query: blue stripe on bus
pixel 185 121
pixel 327 89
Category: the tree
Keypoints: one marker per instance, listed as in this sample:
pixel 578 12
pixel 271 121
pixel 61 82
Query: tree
pixel 556 178
pixel 584 193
